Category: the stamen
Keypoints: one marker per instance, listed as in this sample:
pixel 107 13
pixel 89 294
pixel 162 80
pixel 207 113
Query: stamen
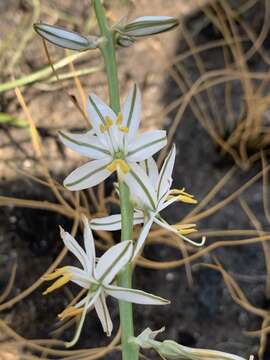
pixel 112 166
pixel 70 312
pixel 123 166
pixel 187 199
pixel 58 283
pixel 183 196
pixel 185 229
pixel 103 128
pixel 178 191
pixel 118 164
pixel 108 122
pixel 124 129
pixel 55 274
pixel 119 119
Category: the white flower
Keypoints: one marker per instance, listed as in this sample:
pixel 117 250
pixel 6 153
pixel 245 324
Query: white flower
pixel 169 349
pixel 65 38
pixel 97 276
pixel 113 142
pixel 151 193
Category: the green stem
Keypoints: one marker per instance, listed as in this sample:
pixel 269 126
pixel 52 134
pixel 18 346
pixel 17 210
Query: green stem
pixel 107 46
pixel 129 351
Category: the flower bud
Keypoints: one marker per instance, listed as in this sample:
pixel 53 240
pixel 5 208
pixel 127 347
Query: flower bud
pixel 174 351
pixel 125 40
pixel 149 25
pixel 65 38
pixel 171 350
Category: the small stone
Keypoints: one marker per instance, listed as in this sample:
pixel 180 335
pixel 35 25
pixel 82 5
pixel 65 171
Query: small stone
pixel 170 276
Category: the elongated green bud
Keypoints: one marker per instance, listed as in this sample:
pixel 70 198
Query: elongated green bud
pixel 149 25
pixel 171 350
pixel 65 38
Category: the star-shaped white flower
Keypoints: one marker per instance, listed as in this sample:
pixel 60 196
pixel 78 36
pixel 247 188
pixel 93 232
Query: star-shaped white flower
pixel 97 277
pixel 113 143
pixel 151 193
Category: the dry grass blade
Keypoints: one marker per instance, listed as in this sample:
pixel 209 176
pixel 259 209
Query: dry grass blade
pixel 10 284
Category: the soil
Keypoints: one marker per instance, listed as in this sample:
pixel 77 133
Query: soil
pixel 203 315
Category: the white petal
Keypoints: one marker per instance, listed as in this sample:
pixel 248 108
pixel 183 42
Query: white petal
pixel 97 112
pixel 88 301
pixel 113 222
pixel 75 248
pixel 62 37
pixel 143 339
pixel 88 175
pixel 170 228
pixel 146 145
pixel 140 186
pixel 103 314
pixel 131 111
pixel 150 25
pixel 165 176
pixel 151 169
pixel 89 245
pixel 142 237
pixel 113 261
pixel 93 296
pixel 135 296
pixel 85 144
pixel 80 277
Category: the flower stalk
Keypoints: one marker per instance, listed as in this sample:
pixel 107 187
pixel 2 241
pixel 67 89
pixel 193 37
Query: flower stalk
pixel 107 47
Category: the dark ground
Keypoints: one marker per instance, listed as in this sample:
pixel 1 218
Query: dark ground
pixel 203 316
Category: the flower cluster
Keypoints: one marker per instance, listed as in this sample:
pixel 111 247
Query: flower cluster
pixel 114 144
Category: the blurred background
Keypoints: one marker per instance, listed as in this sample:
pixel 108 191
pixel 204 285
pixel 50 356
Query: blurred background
pixel 206 83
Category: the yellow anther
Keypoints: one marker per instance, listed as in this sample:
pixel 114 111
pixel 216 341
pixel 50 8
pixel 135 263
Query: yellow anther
pixel 112 167
pixel 124 166
pixel 187 199
pixel 185 229
pixel 176 191
pixel 108 122
pixel 103 128
pixel 56 273
pixel 124 129
pixel 107 125
pixel 58 283
pixel 118 164
pixel 183 196
pixel 119 119
pixel 70 312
